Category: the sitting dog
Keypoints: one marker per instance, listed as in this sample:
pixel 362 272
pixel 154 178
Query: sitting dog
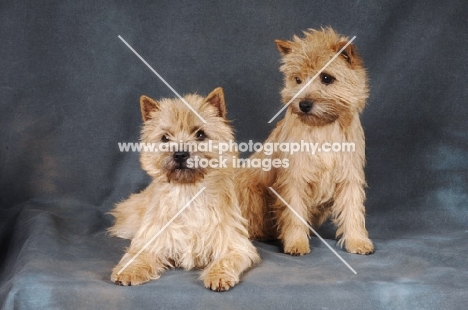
pixel 323 183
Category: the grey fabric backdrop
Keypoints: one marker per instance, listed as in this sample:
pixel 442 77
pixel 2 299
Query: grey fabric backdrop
pixel 69 92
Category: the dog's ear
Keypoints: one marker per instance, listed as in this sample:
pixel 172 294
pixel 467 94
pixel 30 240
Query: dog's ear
pixel 147 105
pixel 283 46
pixel 216 99
pixel 349 53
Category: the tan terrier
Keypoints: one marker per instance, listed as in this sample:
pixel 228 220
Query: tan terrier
pixel 211 232
pixel 322 184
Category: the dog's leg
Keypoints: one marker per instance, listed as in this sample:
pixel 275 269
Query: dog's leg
pixel 349 217
pixel 143 268
pixel 224 273
pixel 293 232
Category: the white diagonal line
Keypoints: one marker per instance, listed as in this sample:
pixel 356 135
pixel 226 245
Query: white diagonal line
pixel 313 230
pixel 160 231
pixel 163 80
pixel 313 78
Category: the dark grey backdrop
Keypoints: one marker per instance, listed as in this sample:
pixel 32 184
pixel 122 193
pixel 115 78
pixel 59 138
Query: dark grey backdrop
pixel 69 92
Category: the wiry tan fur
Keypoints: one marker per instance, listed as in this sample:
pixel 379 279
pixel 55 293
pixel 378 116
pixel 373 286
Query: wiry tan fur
pixel 211 232
pixel 321 185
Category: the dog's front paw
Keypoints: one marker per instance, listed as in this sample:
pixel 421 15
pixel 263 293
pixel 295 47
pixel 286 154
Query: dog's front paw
pixel 219 281
pixel 297 247
pixel 130 276
pixel 359 246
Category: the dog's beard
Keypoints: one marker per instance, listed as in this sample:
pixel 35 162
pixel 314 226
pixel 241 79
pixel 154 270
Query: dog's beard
pixel 180 173
pixel 185 175
pixel 316 117
pixel 317 120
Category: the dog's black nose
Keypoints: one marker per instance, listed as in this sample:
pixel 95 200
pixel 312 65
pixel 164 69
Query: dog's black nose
pixel 306 105
pixel 181 157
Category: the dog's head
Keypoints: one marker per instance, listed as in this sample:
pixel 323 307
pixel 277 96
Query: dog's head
pixel 337 92
pixel 183 145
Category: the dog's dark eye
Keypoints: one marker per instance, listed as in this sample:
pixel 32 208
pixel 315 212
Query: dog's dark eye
pixel 326 78
pixel 201 135
pixel 298 80
pixel 164 138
